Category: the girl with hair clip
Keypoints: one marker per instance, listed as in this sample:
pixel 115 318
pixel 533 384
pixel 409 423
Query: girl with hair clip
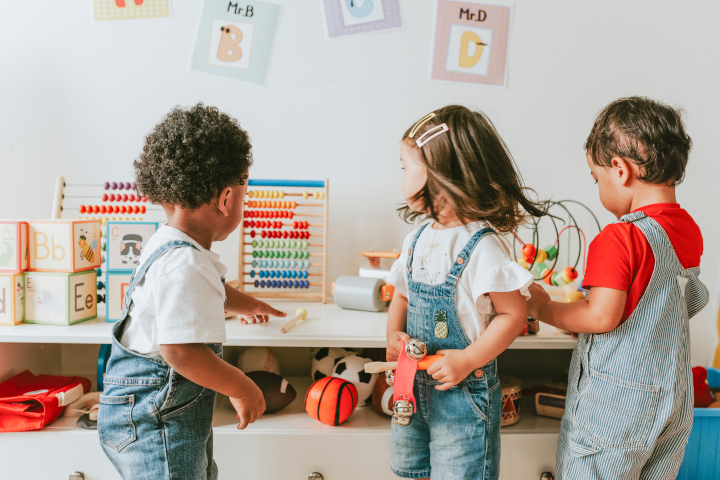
pixel 458 291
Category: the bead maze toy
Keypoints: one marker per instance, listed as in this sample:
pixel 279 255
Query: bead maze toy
pixel 283 235
pixel 559 284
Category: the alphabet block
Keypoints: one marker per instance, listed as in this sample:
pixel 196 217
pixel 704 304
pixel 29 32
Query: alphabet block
pixel 60 298
pixel 116 287
pixel 12 298
pixel 64 245
pixel 13 246
pixel 125 243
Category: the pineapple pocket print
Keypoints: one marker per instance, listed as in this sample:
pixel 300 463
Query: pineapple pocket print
pixel 441 326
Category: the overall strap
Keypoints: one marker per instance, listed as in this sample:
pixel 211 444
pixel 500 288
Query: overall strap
pixel 462 259
pixel 140 270
pixel 656 236
pixel 411 250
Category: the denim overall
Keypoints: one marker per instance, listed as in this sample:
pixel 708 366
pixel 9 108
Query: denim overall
pixel 153 423
pixel 629 408
pixel 454 434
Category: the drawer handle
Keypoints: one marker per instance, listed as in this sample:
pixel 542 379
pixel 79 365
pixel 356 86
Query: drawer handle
pixel 315 476
pixel 77 476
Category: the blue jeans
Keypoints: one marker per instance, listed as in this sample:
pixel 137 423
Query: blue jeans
pixel 454 433
pixel 154 423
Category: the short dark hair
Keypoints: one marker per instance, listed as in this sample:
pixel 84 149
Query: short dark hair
pixel 648 133
pixel 473 167
pixel 191 155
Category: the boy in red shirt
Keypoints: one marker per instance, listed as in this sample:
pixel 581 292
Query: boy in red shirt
pixel 629 406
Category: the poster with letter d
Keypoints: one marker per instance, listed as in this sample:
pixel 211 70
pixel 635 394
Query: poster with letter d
pixel 470 42
pixel 235 39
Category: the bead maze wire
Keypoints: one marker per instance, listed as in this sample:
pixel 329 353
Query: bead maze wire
pixel 533 256
pixel 278 251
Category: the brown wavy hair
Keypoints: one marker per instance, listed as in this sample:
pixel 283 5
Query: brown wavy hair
pixel 471 165
pixel 648 133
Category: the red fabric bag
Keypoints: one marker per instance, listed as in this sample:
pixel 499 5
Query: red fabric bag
pixel 29 402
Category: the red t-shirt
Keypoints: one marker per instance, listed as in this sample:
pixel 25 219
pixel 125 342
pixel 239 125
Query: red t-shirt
pixel 621 258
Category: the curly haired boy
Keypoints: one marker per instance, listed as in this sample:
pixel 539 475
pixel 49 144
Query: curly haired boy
pixel 166 363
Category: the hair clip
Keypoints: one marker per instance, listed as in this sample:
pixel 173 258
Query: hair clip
pixel 435 131
pixel 420 123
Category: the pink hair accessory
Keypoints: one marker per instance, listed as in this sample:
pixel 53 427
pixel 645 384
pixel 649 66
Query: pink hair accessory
pixel 432 133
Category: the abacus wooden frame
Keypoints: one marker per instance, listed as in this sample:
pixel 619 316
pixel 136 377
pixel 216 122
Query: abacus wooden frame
pixel 243 272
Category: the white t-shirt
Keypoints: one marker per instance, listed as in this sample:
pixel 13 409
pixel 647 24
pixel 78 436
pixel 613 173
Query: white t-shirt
pixel 489 269
pixel 181 299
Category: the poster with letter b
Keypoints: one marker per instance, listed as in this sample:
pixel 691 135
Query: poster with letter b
pixel 235 39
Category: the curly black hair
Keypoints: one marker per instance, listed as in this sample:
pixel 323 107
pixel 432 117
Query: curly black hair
pixel 649 133
pixel 191 155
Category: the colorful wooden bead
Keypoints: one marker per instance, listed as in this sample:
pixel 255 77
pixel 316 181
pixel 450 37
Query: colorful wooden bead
pixel 106 185
pixel 113 185
pixel 541 256
pixel 547 276
pixel 528 250
pixel 557 279
pixel 120 185
pixel 552 252
pixel 539 269
pixel 570 273
pixel 523 263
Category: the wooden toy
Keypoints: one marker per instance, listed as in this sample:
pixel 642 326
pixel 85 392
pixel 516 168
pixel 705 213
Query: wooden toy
pixel 511 395
pixel 64 245
pixel 377 367
pixel 125 241
pixel 382 398
pixel 60 298
pixel 323 361
pixel 279 249
pixel 13 246
pixel 571 297
pixel 12 298
pixel 116 286
pixel 300 315
pixel 351 368
pixel 258 359
pixel 277 391
pixel 550 404
pixel 374 267
pixel 331 400
pixel 361 293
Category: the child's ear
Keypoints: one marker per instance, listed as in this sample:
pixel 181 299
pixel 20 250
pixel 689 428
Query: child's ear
pixel 623 170
pixel 225 201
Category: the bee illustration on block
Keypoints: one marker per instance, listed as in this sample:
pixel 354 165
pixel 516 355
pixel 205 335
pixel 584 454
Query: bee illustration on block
pixel 86 249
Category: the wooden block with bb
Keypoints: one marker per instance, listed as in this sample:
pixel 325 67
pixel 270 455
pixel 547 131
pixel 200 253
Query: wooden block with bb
pixel 12 298
pixel 13 246
pixel 115 288
pixel 64 245
pixel 60 298
pixel 125 243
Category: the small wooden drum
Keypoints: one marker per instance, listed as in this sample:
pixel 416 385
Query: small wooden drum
pixel 511 395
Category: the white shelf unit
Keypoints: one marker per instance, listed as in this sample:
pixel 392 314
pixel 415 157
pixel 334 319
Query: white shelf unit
pixel 360 448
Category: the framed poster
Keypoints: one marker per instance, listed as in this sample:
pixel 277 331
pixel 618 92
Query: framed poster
pixel 236 39
pixel 355 17
pixel 108 10
pixel 470 42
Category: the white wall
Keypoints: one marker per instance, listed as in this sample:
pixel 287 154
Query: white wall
pixel 76 99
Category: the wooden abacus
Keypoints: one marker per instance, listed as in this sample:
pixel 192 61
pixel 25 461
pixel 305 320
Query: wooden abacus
pixel 282 237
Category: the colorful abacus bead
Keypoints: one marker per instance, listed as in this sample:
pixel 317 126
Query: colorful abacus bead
pixel 557 279
pixel 541 270
pixel 523 263
pixel 547 277
pixel 113 185
pixel 106 185
pixel 552 252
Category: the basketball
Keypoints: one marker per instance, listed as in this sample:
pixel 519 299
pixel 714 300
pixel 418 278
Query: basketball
pixel 331 400
pixel 382 397
pixel 258 359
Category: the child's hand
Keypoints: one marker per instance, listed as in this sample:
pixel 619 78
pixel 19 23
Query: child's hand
pixel 539 298
pixel 260 314
pixel 395 344
pixel 451 369
pixel 250 405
